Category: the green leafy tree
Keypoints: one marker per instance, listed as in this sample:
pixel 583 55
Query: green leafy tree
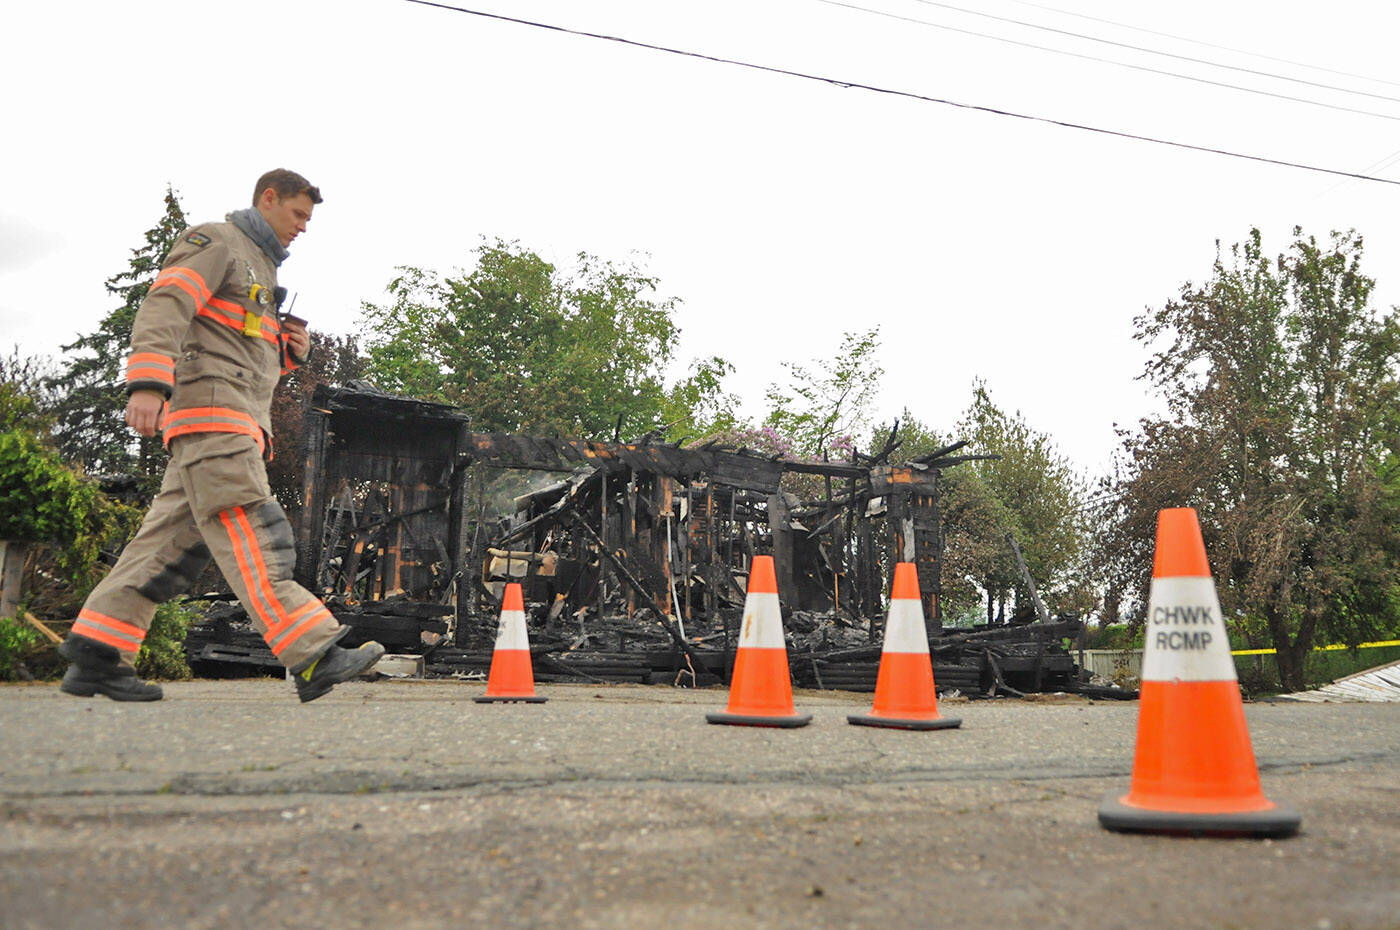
pixel 1041 496
pixel 698 405
pixel 912 438
pixel 90 409
pixel 1280 385
pixel 1031 491
pixel 823 405
pixel 25 398
pixel 975 553
pixel 524 347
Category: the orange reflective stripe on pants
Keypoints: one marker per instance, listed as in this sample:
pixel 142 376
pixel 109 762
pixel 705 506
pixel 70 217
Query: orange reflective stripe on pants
pixel 109 630
pixel 283 628
pixel 252 543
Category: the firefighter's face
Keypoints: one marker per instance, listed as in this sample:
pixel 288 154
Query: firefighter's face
pixel 287 216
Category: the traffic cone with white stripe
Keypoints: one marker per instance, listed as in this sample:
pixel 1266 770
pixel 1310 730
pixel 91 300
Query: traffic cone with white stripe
pixel 760 690
pixel 512 677
pixel 1193 769
pixel 905 698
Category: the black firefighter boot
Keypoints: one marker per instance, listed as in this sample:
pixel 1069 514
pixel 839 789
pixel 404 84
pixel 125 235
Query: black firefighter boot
pixel 332 667
pixel 97 669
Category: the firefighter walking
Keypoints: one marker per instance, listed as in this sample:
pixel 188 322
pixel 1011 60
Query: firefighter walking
pixel 207 350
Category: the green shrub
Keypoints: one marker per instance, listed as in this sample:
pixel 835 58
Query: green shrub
pixel 43 500
pixel 17 640
pixel 162 654
pixel 1113 636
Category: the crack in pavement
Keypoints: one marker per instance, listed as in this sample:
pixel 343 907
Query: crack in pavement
pixel 374 781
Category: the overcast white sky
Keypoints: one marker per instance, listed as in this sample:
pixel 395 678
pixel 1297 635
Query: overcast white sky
pixel 782 212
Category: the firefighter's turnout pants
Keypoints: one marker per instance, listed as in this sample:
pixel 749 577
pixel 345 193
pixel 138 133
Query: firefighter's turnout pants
pixel 214 501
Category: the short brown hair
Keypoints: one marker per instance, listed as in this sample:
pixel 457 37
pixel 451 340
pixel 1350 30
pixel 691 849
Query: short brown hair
pixel 285 184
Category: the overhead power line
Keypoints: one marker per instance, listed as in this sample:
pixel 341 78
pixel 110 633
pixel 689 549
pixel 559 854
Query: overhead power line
pixel 856 85
pixel 1152 51
pixel 1222 48
pixel 1110 61
pixel 1385 162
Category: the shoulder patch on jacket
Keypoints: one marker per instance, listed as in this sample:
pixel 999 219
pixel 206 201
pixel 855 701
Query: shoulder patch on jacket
pixel 198 239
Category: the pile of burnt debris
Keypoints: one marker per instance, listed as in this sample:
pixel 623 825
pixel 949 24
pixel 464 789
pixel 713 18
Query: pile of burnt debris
pixel 633 557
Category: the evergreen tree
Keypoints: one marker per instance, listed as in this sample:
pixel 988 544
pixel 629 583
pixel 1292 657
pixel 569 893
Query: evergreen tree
pixel 91 398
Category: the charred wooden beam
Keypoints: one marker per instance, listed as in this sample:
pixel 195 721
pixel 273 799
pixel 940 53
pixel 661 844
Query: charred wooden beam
pixel 939 452
pixel 572 497
pixel 309 547
pixel 780 525
pixel 828 469
pixel 959 459
pixel 885 479
pixel 1040 611
pixel 625 573
pixel 1052 631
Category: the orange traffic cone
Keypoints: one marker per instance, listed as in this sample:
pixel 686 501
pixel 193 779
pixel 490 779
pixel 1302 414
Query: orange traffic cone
pixel 760 690
pixel 904 692
pixel 1194 770
pixel 511 678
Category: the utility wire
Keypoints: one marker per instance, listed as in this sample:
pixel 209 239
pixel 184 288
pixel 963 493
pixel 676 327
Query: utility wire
pixel 1374 166
pixel 856 85
pixel 1153 51
pixel 1110 61
pixel 1223 48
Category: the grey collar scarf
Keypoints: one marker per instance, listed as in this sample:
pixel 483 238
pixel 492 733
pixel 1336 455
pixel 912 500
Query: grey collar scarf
pixel 252 224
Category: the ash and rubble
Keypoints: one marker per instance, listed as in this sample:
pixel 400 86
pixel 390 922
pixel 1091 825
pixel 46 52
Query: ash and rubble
pixel 632 556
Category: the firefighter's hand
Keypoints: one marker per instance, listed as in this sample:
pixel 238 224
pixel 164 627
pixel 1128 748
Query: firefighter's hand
pixel 298 340
pixel 143 411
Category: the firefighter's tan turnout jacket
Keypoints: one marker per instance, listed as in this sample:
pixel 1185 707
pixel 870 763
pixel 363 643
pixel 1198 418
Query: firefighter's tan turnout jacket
pixel 207 336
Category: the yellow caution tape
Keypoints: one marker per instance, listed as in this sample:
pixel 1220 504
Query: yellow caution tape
pixel 1269 652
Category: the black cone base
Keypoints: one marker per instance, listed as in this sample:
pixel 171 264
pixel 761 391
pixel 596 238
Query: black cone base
pixel 1280 820
pixel 747 720
pixel 904 723
pixel 507 699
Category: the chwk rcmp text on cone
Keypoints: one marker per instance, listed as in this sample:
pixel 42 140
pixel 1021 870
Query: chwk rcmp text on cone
pixel 512 677
pixel 904 690
pixel 760 690
pixel 1193 769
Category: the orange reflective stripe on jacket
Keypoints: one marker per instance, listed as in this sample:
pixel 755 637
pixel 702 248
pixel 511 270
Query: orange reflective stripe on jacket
pixel 109 630
pixel 283 627
pixel 186 279
pixel 150 366
pixel 211 420
pixel 207 305
pixel 231 314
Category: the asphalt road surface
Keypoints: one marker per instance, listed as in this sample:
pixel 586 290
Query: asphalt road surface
pixel 404 804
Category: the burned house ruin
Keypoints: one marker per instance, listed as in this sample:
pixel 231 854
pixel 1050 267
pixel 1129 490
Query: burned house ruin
pixel 633 556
